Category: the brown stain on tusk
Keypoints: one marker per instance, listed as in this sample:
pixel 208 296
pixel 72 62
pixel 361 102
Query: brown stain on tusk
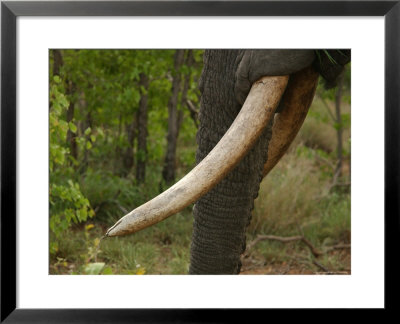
pixel 257 111
pixel 295 104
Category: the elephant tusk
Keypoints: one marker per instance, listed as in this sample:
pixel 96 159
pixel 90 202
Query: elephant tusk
pixel 295 104
pixel 257 111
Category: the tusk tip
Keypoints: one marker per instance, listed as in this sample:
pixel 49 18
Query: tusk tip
pixel 128 224
pixel 116 230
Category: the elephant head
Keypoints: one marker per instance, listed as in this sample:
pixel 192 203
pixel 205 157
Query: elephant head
pixel 253 104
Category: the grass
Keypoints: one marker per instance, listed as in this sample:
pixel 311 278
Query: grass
pixel 296 198
pixel 294 201
pixel 160 249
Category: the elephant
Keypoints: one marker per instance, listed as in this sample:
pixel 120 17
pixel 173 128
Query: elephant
pixel 253 103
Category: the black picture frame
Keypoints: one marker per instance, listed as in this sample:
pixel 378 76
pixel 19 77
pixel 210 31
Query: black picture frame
pixel 10 10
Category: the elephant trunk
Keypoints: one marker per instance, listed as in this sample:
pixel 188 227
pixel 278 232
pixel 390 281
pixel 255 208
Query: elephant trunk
pixel 223 214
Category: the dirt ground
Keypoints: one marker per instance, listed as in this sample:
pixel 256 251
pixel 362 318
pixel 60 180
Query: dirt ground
pixel 299 265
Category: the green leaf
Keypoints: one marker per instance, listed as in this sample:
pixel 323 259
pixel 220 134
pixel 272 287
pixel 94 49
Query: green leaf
pixel 91 213
pixel 88 131
pixel 53 247
pixel 82 214
pixel 88 145
pixel 94 268
pixel 72 127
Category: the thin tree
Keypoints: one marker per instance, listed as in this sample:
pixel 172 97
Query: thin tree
pixel 189 61
pixel 57 62
pixel 141 155
pixel 168 172
pixel 117 154
pixel 71 136
pixel 336 117
pixel 128 158
pixel 339 125
pixel 86 127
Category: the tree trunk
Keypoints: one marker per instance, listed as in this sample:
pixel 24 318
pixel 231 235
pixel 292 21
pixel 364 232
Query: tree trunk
pixel 189 60
pixel 127 159
pixel 222 215
pixel 57 62
pixel 84 126
pixel 117 165
pixel 339 125
pixel 71 137
pixel 141 155
pixel 168 172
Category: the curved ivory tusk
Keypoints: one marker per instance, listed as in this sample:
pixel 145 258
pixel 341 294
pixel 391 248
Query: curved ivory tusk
pixel 257 111
pixel 295 102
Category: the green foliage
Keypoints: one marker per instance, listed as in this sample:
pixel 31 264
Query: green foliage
pixel 67 203
pixel 103 86
pixel 58 127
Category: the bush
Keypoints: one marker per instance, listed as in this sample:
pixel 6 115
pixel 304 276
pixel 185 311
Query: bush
pixel 67 203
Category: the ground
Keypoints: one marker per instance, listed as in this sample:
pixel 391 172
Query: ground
pixel 300 264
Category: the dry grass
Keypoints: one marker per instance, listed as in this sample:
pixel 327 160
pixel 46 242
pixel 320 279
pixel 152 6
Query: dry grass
pixel 288 195
pixel 317 135
pixel 297 198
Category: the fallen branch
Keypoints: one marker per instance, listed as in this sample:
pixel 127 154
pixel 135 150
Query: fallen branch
pixel 282 239
pixel 338 247
pixel 319 265
pixel 314 251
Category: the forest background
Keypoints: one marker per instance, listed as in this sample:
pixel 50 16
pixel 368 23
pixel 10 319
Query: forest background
pixel 122 127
